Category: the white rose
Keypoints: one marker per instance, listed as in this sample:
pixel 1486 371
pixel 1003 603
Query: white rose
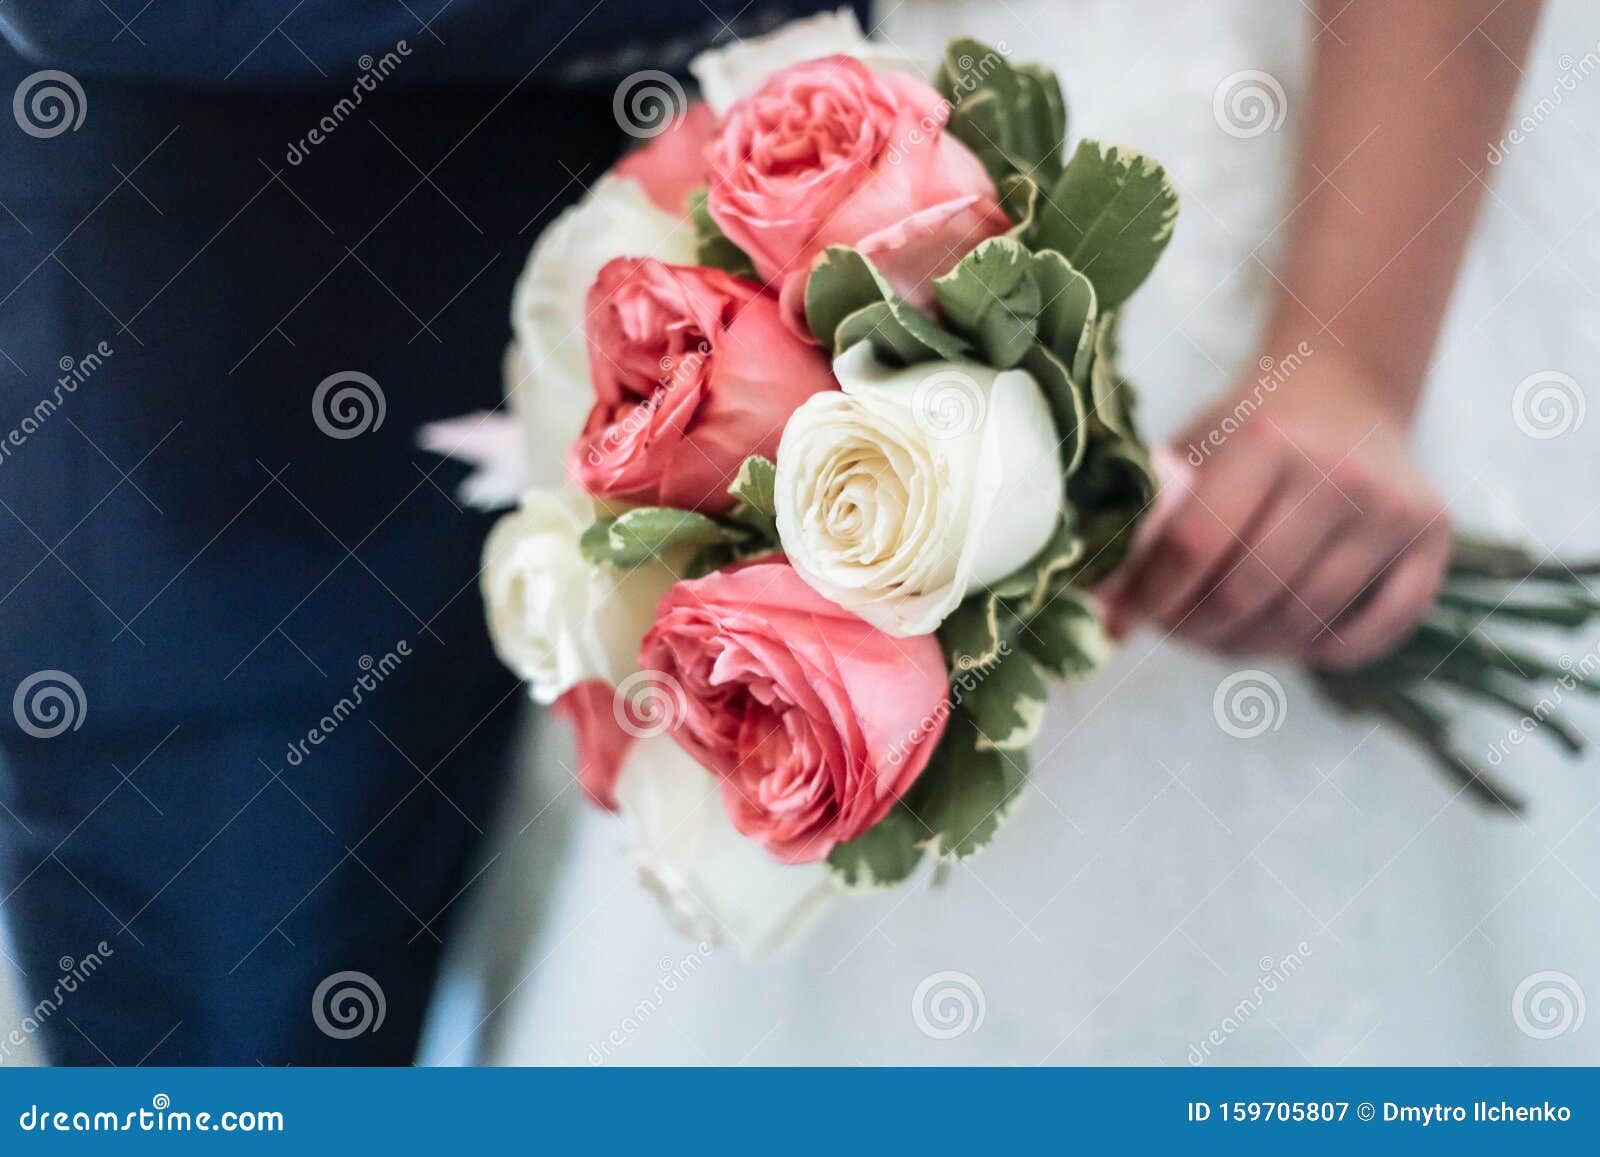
pixel 715 884
pixel 555 618
pixel 912 486
pixel 547 370
pixel 736 70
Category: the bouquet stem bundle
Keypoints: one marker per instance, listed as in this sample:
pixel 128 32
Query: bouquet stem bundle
pixel 1454 660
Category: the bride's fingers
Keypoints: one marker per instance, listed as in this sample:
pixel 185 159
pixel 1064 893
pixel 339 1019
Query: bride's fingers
pixel 1295 531
pixel 1398 599
pixel 1201 541
pixel 1305 609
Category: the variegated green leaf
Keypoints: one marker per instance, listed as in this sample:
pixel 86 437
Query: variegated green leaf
pixel 1066 400
pixel 966 793
pixel 992 299
pixel 1013 118
pixel 1111 493
pixel 754 489
pixel 1067 314
pixel 1110 214
pixel 843 282
pixel 712 246
pixel 1066 637
pixel 1007 704
pixel 885 854
pixel 648 531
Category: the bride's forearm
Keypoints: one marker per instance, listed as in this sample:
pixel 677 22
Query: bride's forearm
pixel 1407 98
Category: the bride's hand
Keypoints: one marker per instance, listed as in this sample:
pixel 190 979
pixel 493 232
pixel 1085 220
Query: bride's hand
pixel 1308 532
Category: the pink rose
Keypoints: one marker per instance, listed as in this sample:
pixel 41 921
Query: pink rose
pixel 590 710
pixel 693 371
pixel 673 164
pixel 816 721
pixel 830 153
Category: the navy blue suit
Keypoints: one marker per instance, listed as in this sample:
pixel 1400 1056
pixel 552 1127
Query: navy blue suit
pixel 181 537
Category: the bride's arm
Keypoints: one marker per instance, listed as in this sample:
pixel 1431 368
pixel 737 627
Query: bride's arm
pixel 1310 531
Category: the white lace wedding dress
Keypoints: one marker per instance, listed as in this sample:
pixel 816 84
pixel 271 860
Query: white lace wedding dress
pixel 1168 893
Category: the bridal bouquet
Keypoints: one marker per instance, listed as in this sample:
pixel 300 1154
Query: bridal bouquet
pixel 819 452
pixel 829 370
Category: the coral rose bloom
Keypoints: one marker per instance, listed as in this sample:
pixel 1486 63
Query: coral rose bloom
pixel 692 372
pixel 830 153
pixel 673 164
pixel 816 721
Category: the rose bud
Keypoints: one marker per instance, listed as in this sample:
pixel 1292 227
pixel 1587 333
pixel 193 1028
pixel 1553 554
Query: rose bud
pixel 692 372
pixel 830 153
pixel 815 721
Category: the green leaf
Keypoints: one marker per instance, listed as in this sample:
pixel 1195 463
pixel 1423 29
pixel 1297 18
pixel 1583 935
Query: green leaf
pixel 972 635
pixel 992 299
pixel 965 793
pixel 758 508
pixel 1067 315
pixel 712 246
pixel 1012 117
pixel 843 282
pixel 979 631
pixel 1110 494
pixel 1110 395
pixel 649 531
pixel 1007 701
pixel 1066 399
pixel 884 854
pixel 1027 588
pixel 1019 200
pixel 1046 111
pixel 1110 214
pixel 1066 636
